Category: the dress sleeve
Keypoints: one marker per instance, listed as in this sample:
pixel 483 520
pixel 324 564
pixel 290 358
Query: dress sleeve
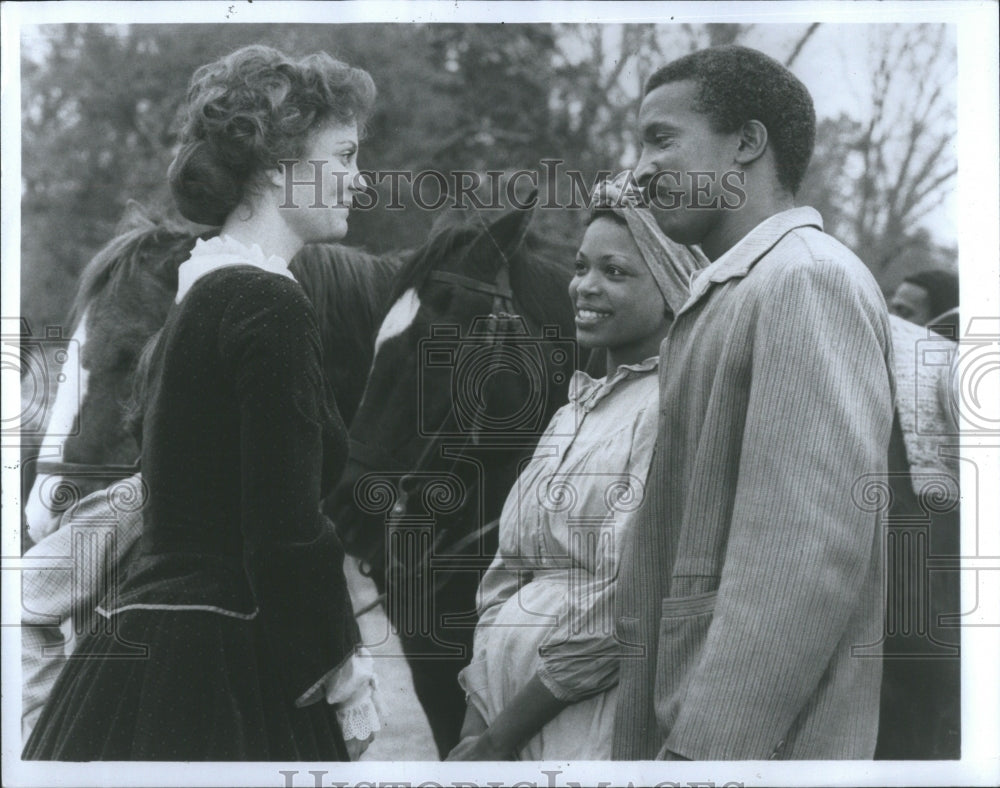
pixel 580 657
pixel 291 552
pixel 353 689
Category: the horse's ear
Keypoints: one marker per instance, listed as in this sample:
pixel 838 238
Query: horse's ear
pixel 510 229
pixel 134 217
pixel 506 234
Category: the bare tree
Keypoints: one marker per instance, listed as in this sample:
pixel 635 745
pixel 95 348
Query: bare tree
pixel 602 71
pixel 905 147
pixel 797 49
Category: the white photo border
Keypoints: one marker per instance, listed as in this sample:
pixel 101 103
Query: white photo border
pixel 977 213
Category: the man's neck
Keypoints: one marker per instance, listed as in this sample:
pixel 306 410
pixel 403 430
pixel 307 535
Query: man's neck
pixel 735 225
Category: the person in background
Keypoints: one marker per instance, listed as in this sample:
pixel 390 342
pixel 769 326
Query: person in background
pixel 752 571
pixel 921 686
pixel 68 573
pixel 236 599
pixel 929 298
pixel 542 681
pixel 920 716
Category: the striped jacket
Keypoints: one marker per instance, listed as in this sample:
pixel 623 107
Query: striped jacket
pixel 750 604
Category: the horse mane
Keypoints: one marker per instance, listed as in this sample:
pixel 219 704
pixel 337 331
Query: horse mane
pixel 347 286
pixel 157 248
pixel 348 289
pixel 540 274
pixel 540 270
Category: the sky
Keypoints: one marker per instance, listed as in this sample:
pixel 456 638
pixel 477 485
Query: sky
pixel 835 64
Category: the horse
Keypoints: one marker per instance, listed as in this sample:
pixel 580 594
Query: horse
pixel 122 299
pixel 472 360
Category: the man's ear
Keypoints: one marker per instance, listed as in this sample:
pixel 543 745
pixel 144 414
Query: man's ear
pixel 753 142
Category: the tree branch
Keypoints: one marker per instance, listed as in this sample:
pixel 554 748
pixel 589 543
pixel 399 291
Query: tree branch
pixel 801 43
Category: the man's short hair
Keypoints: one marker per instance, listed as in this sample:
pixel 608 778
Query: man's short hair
pixel 737 84
pixel 941 286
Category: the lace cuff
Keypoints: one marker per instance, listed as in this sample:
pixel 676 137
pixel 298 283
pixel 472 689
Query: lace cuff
pixel 359 715
pixel 352 688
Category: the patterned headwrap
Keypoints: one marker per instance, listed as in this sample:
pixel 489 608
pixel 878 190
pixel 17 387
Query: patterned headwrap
pixel 670 263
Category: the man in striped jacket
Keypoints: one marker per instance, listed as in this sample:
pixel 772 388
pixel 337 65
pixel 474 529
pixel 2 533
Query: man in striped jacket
pixel 752 591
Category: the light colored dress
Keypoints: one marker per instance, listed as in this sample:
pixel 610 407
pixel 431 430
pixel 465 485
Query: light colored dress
pixel 927 403
pixel 546 604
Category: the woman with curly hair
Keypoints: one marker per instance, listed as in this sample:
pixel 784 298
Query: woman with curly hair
pixel 232 637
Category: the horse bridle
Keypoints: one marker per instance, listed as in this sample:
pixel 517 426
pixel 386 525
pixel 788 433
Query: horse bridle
pixel 372 457
pixel 503 296
pixel 502 309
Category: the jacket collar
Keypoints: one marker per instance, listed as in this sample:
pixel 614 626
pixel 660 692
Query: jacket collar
pixel 738 260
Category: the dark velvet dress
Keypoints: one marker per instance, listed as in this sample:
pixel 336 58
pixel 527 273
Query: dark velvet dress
pixel 237 603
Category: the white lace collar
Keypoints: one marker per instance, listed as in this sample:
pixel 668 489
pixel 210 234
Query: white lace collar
pixel 218 252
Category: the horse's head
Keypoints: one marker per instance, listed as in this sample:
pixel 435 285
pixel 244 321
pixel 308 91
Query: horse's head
pixel 122 300
pixel 470 361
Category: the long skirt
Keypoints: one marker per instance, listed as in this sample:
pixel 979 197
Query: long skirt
pixel 202 687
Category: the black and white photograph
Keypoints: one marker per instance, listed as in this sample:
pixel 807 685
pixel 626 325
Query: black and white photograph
pixel 500 393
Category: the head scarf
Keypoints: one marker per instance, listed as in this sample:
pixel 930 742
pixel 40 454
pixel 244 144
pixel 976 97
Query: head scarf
pixel 670 263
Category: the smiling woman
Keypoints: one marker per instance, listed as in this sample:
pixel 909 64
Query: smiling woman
pixel 617 303
pixel 542 684
pixel 319 188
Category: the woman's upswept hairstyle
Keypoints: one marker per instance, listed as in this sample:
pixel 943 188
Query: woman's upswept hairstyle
pixel 250 109
pixel 737 84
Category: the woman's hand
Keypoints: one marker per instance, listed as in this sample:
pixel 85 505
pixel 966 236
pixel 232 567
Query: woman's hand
pixel 478 748
pixel 522 718
pixel 356 747
pixel 526 714
pixel 474 724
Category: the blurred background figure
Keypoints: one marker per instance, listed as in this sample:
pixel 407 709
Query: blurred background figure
pixel 929 298
pixel 920 713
